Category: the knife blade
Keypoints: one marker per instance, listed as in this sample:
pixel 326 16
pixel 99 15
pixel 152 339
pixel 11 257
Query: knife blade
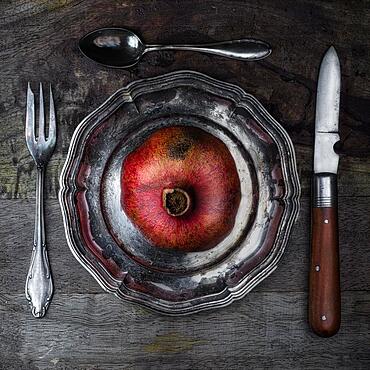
pixel 324 285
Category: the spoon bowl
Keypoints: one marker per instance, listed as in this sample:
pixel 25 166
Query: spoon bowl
pixel 113 47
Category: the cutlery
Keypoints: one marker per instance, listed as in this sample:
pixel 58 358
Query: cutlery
pixel 121 48
pixel 39 284
pixel 324 291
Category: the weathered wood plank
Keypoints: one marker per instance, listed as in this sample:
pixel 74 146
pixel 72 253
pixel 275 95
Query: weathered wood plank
pixel 16 230
pixel 86 328
pixel 266 330
pixel 39 42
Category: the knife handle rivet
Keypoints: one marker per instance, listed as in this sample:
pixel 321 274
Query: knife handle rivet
pixel 323 317
pixel 326 221
pixel 317 268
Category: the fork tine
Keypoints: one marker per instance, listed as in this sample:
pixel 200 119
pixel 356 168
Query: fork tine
pixel 52 122
pixel 41 116
pixel 30 116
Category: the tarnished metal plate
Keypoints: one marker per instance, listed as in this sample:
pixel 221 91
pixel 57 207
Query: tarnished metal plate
pixel 110 247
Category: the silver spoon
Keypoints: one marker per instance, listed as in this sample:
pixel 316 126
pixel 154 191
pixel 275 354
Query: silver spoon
pixel 121 48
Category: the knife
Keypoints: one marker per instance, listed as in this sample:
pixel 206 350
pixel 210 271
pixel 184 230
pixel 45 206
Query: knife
pixel 324 289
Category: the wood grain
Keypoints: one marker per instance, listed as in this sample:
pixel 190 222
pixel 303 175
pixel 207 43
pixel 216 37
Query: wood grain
pixel 265 330
pixel 88 329
pixel 324 285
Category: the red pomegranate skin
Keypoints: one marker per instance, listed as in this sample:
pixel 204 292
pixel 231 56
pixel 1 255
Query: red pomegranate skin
pixel 190 159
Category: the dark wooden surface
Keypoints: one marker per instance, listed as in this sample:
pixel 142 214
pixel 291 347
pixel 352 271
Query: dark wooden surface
pixel 85 328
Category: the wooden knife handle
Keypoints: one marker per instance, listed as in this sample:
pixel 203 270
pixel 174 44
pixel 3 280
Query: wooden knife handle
pixel 324 291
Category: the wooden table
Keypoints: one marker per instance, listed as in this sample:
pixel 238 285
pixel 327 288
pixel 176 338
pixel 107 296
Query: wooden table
pixel 86 328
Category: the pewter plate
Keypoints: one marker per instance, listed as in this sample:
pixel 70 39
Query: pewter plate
pixel 113 250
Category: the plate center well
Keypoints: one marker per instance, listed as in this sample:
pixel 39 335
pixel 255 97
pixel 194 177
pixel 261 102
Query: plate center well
pixel 179 194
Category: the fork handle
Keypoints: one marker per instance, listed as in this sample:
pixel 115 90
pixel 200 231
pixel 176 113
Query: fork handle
pixel 39 284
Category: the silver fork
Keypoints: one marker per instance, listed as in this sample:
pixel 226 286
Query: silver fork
pixel 39 284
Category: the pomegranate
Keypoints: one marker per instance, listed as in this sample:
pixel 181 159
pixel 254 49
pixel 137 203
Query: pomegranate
pixel 181 188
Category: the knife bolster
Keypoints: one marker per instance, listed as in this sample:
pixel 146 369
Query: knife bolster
pixel 324 190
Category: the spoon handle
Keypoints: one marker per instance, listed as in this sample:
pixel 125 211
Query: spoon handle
pixel 245 49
